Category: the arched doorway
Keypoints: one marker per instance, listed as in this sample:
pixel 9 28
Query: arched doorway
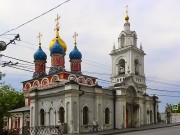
pixel 128 116
pixel 132 108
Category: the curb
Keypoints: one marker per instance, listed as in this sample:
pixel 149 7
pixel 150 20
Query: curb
pixel 134 130
pixel 120 131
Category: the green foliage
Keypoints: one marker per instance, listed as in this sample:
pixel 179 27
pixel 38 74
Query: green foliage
pixel 9 100
pixel 1 75
pixel 169 109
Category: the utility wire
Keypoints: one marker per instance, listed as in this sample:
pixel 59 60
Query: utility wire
pixel 105 82
pixel 153 89
pixel 35 18
pixel 165 95
pixel 16 59
pixel 162 82
pixel 88 62
pixel 21 69
pixel 150 80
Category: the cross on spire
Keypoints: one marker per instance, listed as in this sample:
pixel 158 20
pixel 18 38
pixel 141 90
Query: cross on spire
pixel 39 36
pixel 126 10
pixel 57 22
pixel 75 37
pixel 127 17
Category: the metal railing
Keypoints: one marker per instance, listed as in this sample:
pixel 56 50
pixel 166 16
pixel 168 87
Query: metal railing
pixel 38 130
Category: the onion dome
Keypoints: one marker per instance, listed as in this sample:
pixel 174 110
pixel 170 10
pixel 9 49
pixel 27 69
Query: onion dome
pixel 40 54
pixel 57 48
pixel 75 53
pixel 61 42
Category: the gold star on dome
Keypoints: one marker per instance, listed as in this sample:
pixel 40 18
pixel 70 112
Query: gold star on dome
pixel 75 37
pixel 39 36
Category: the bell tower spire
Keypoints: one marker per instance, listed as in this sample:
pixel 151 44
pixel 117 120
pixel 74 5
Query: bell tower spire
pixel 127 17
pixel 127 24
pixel 127 59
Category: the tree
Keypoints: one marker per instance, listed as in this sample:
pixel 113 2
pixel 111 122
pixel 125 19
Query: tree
pixel 9 99
pixel 168 111
pixel 1 75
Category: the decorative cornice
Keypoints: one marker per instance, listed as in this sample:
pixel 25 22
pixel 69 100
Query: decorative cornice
pixel 127 48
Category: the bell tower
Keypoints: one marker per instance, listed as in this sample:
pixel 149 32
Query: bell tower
pixel 127 59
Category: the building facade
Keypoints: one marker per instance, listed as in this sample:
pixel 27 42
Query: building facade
pixel 75 99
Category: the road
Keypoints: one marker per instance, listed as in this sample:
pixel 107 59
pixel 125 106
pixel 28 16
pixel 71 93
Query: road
pixel 175 130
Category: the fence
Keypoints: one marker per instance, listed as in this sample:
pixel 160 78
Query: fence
pixel 38 130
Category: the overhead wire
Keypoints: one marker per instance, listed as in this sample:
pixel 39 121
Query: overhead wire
pixel 35 18
pixel 95 72
pixel 105 82
pixel 162 90
pixel 162 82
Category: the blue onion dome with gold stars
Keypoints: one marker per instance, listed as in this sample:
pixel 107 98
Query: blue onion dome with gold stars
pixel 40 54
pixel 75 53
pixel 57 48
pixel 61 42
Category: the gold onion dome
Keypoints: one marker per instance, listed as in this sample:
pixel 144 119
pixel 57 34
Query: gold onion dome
pixel 61 42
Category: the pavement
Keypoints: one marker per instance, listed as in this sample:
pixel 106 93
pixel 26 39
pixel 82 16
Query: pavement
pixel 118 131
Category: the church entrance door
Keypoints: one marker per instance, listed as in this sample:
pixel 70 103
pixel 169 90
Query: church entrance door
pixel 128 116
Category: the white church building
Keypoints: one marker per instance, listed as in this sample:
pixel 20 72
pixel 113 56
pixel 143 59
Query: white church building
pixel 76 99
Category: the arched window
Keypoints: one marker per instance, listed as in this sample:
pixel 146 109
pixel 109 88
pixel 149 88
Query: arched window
pixel 51 117
pixel 121 66
pixel 85 115
pixel 107 116
pixel 16 122
pixel 45 82
pixel 55 79
pixel 136 66
pixel 42 117
pixel 61 114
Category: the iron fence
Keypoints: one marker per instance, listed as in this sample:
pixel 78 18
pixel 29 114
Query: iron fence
pixel 37 130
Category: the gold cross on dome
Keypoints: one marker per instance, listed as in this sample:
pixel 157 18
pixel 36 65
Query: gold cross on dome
pixel 57 22
pixel 39 36
pixel 75 37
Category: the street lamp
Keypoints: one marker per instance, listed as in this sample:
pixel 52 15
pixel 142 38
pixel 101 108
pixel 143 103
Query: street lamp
pixel 3 45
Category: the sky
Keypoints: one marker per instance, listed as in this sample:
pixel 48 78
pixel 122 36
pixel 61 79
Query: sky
pixel 98 23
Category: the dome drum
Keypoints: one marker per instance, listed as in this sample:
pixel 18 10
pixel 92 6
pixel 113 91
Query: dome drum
pixel 56 69
pixel 38 74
